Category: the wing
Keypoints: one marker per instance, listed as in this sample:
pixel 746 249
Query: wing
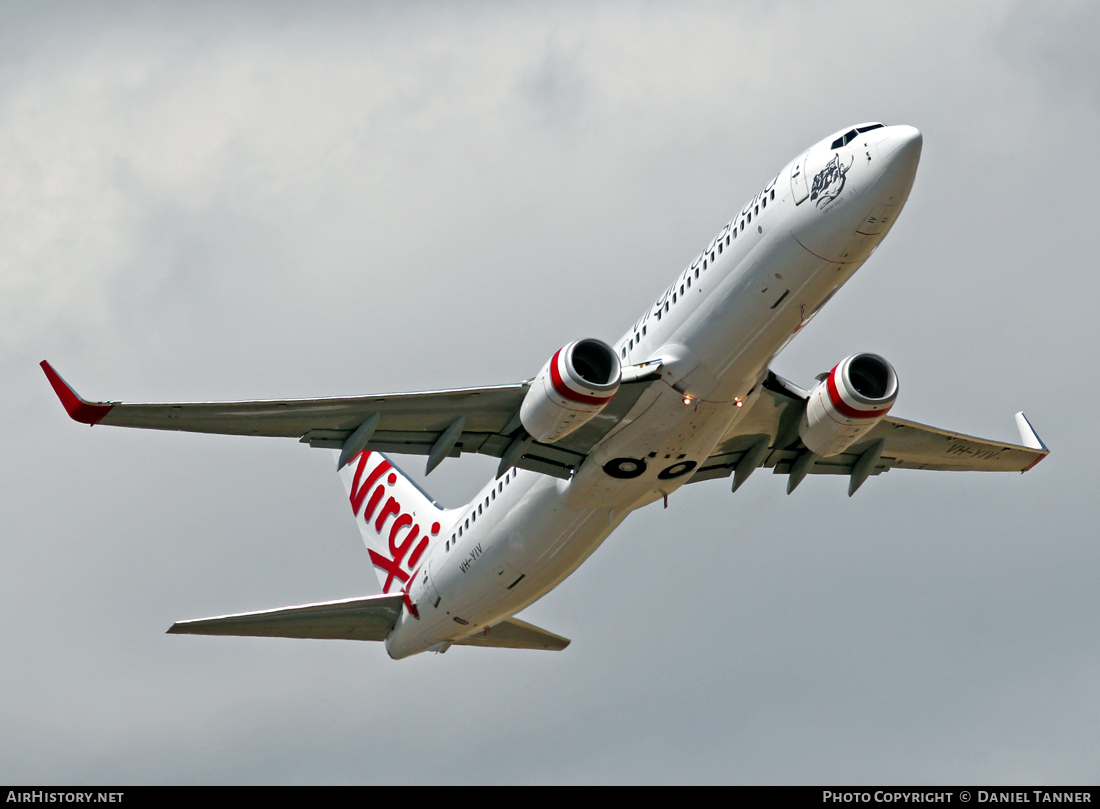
pixel 769 431
pixel 368 618
pixel 438 424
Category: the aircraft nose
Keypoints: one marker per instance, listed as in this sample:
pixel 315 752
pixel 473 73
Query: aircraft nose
pixel 899 154
pixel 901 149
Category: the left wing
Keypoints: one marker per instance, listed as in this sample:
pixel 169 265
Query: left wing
pixel 768 436
pixel 439 424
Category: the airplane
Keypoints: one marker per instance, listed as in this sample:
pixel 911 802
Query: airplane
pixel 685 395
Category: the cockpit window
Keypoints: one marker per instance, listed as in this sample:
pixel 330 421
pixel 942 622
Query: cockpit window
pixel 844 139
pixel 870 127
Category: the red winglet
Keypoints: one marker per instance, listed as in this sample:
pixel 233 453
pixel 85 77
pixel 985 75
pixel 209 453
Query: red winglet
pixel 79 410
pixel 1032 464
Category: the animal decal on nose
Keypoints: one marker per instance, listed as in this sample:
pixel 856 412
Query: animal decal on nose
pixel 401 543
pixel 829 182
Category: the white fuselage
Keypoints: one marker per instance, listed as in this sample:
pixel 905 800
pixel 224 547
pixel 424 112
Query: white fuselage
pixel 716 329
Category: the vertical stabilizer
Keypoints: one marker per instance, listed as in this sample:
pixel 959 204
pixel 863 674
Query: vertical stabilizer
pixel 398 520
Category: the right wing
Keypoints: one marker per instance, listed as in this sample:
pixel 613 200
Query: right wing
pixel 771 428
pixel 442 423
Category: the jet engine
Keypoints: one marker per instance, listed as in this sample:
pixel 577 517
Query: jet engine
pixel 851 400
pixel 575 385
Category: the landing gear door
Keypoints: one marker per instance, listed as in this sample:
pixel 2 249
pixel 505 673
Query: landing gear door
pixel 799 185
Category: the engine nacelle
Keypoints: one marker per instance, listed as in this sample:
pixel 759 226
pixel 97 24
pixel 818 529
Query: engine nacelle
pixel 851 400
pixel 575 385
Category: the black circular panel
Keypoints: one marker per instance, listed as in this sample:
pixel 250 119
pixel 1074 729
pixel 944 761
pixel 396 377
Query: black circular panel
pixel 676 470
pixel 625 468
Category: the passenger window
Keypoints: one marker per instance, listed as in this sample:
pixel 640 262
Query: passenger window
pixel 704 264
pixel 486 502
pixel 689 282
pixel 624 352
pixel 749 218
pixel 674 297
pixel 712 256
pixel 757 210
pixel 696 272
pixel 728 239
pixel 719 248
pixel 772 195
pixel 681 289
pixel 643 331
pixel 666 306
pixel 632 344
pixel 500 487
pixel 493 494
pixel 764 202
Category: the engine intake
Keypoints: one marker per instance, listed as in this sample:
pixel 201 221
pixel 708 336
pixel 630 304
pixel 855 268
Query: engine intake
pixel 576 384
pixel 848 403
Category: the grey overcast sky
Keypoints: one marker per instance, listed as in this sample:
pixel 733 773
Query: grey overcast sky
pixel 231 201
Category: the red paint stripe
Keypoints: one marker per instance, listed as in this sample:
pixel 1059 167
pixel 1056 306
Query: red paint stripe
pixel 566 392
pixel 843 407
pixel 78 409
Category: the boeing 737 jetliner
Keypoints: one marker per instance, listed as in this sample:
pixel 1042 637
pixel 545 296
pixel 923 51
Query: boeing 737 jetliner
pixel 685 395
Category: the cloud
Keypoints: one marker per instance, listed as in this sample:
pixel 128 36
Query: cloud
pixel 211 201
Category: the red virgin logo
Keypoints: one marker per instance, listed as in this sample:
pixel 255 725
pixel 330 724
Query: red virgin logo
pixel 404 551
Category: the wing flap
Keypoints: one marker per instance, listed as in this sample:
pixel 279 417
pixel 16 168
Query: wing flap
pixel 367 618
pixel 512 633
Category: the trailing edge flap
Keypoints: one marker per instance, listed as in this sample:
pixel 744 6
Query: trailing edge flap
pixel 367 618
pixel 512 633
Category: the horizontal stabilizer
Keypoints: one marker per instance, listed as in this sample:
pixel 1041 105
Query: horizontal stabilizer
pixel 368 618
pixel 512 633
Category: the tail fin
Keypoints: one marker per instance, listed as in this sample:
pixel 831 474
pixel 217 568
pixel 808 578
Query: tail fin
pixel 398 520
